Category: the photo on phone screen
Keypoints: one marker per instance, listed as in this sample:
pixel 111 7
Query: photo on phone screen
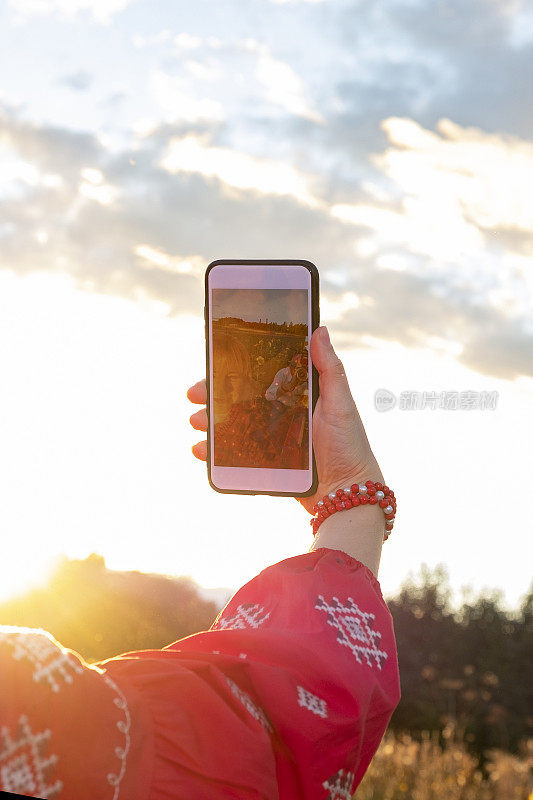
pixel 260 378
pixel 259 321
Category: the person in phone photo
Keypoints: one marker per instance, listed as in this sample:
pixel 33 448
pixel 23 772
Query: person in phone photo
pixel 290 383
pixel 233 381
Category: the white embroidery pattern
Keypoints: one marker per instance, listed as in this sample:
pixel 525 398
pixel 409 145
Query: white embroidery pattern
pixel 52 664
pixel 340 786
pixel 353 626
pixel 249 704
pixel 312 702
pixel 22 766
pixel 124 727
pixel 248 615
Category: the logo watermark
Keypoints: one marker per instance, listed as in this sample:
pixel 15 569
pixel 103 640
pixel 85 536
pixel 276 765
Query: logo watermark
pixel 384 400
pixel 410 400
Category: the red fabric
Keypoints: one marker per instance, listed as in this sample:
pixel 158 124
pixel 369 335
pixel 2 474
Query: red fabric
pixel 287 696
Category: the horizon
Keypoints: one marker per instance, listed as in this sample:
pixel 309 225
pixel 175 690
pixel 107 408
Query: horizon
pixel 221 594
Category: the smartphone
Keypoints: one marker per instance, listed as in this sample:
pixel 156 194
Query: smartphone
pixel 261 385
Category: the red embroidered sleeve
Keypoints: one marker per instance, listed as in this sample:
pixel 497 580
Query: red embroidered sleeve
pixel 287 696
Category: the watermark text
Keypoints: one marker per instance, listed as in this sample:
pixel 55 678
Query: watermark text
pixel 412 400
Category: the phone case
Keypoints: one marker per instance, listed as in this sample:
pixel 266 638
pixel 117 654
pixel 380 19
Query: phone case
pixel 315 322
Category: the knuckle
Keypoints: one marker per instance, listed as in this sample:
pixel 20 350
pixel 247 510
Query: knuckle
pixel 338 368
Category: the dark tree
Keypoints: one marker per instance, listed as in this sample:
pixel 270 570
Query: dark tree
pixel 471 668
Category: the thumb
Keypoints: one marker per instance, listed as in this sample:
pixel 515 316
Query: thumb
pixel 334 388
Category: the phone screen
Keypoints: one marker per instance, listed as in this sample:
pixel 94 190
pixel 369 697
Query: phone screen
pixel 260 377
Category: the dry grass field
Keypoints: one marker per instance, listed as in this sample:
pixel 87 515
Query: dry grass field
pixel 406 769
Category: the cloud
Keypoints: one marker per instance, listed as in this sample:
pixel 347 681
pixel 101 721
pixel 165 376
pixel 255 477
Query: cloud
pixel 102 10
pixel 266 176
pixel 456 240
pixel 283 85
pixel 297 1
pixel 210 77
pixel 415 309
pixel 179 102
pixel 464 199
pixel 493 68
pixel 115 99
pixel 184 40
pixel 138 238
pixel 455 186
pixel 458 60
pixel 79 81
pixel 416 257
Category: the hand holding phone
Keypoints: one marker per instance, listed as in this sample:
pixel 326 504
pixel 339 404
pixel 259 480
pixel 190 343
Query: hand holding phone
pixel 259 318
pixel 342 451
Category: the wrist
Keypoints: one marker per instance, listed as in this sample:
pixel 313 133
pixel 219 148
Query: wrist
pixel 359 532
pixel 369 472
pixel 359 529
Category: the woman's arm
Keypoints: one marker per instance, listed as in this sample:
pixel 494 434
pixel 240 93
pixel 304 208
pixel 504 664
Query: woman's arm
pixel 358 532
pixel 287 696
pixel 343 456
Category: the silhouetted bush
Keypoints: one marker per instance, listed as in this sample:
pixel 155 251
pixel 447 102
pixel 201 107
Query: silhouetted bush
pixel 101 613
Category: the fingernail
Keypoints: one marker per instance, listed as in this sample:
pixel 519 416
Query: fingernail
pixel 325 335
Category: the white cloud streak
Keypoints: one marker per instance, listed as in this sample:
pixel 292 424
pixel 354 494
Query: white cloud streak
pixel 102 10
pixel 239 170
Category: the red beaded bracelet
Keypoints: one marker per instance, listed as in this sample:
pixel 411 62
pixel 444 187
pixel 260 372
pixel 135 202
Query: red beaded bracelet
pixel 358 494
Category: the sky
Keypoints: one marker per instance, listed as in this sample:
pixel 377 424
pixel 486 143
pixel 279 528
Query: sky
pixel 389 143
pixel 276 305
